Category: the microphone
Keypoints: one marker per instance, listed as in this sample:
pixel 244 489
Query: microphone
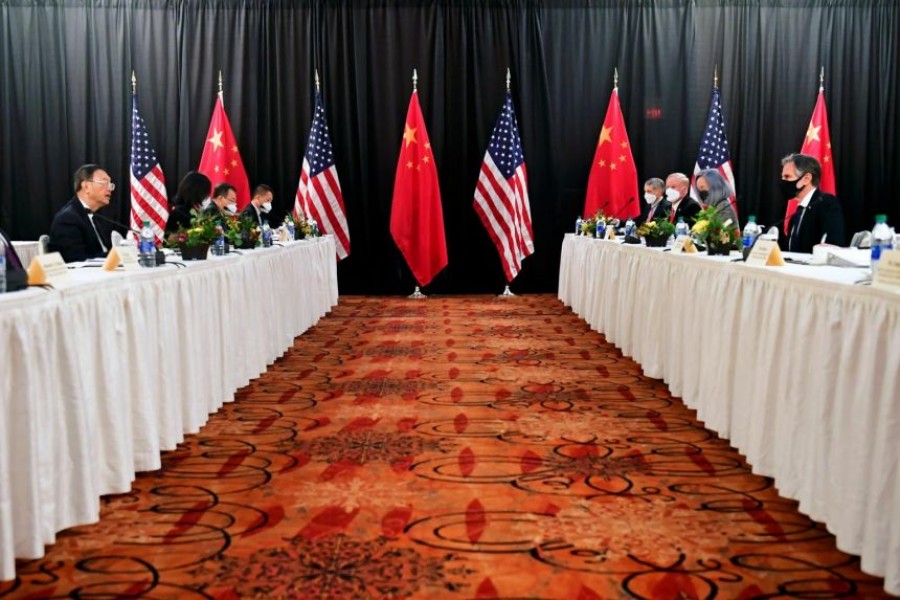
pixel 43 244
pixel 116 223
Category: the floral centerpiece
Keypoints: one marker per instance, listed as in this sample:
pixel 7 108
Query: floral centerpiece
pixel 306 228
pixel 656 232
pixel 241 232
pixel 195 239
pixel 718 235
pixel 589 226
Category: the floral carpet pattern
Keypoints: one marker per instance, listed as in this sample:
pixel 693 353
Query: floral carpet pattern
pixel 459 447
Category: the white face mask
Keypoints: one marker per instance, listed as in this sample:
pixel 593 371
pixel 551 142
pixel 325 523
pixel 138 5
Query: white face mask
pixel 231 207
pixel 672 194
pixel 650 198
pixel 206 202
pixel 266 207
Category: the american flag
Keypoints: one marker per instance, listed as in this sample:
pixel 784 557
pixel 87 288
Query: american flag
pixel 148 185
pixel 501 195
pixel 714 149
pixel 319 192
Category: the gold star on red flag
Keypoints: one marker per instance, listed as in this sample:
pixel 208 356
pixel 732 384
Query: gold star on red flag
pixel 409 135
pixel 216 140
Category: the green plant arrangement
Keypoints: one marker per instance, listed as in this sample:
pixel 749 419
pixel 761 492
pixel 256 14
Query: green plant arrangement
pixel 241 232
pixel 657 232
pixel 720 236
pixel 194 240
pixel 589 226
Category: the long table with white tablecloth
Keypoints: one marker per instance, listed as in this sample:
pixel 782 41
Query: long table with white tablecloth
pixel 795 365
pixel 97 378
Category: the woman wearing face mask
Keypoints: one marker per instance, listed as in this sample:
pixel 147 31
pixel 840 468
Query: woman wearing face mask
pixel 224 202
pixel 193 191
pixel 714 191
pixel 657 205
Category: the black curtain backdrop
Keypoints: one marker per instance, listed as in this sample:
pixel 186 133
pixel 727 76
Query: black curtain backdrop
pixel 65 98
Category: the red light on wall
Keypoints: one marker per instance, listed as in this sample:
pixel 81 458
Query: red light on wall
pixel 653 113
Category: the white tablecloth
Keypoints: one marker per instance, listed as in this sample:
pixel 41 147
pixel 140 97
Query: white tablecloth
pixel 796 366
pixel 99 378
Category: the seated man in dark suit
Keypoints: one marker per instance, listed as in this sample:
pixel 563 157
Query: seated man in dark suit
pixel 224 203
pixel 818 214
pixel 260 205
pixel 16 275
pixel 74 232
pixel 677 187
pixel 657 205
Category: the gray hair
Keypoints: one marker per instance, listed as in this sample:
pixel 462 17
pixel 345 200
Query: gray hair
pixel 656 183
pixel 718 186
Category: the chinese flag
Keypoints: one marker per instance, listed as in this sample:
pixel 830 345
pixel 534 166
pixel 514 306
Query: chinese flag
pixel 613 183
pixel 817 143
pixel 417 221
pixel 221 161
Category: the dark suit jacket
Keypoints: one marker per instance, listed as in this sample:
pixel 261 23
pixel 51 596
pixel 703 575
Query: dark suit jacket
pixel 663 208
pixel 179 217
pixel 687 209
pixel 72 236
pixel 16 275
pixel 250 213
pixel 823 215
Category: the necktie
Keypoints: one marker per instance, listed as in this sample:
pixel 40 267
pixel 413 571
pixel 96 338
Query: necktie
pixel 97 233
pixel 794 240
pixel 650 214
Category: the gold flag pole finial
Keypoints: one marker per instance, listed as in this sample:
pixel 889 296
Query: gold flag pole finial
pixel 716 76
pixel 317 81
pixel 822 79
pixel 133 83
pixel 616 77
pixel 415 80
pixel 508 79
pixel 220 81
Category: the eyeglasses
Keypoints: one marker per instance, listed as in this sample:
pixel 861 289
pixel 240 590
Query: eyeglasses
pixel 109 184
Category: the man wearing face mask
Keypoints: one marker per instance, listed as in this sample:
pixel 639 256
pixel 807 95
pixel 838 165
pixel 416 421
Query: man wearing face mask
pixel 657 205
pixel 260 205
pixel 818 214
pixel 224 202
pixel 677 187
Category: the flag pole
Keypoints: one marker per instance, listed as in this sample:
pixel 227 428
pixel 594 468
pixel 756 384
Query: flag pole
pixel 317 81
pixel 716 76
pixel 507 293
pixel 133 83
pixel 417 293
pixel 615 78
pixel 221 93
pixel 822 79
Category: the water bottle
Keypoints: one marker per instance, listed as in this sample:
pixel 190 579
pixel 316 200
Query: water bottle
pixel 751 232
pixel 266 235
pixel 578 222
pixel 147 246
pixel 219 243
pixel 681 228
pixel 2 267
pixel 292 231
pixel 315 228
pixel 629 228
pixel 600 231
pixel 882 239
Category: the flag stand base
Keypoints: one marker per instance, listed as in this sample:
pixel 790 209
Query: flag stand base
pixel 417 295
pixel 506 293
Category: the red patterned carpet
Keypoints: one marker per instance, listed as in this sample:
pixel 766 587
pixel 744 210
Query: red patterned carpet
pixel 456 447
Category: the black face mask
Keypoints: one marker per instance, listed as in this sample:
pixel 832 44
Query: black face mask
pixel 789 188
pixel 704 196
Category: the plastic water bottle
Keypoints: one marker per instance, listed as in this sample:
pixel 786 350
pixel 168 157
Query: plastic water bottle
pixel 2 268
pixel 578 222
pixel 600 231
pixel 681 228
pixel 751 232
pixel 629 228
pixel 882 239
pixel 292 231
pixel 219 243
pixel 315 228
pixel 147 246
pixel 266 235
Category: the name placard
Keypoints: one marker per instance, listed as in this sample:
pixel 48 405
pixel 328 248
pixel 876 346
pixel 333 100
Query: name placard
pixel 765 253
pixel 610 233
pixel 887 273
pixel 684 244
pixel 126 256
pixel 49 269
